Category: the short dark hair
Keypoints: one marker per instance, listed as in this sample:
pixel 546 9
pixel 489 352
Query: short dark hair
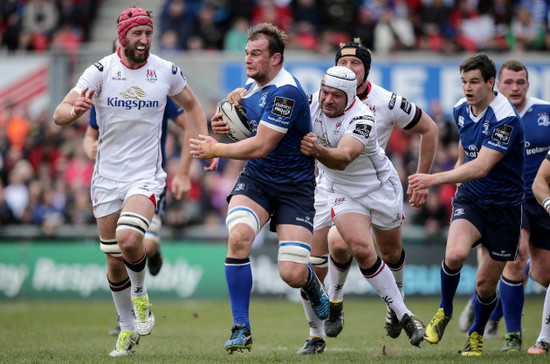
pixel 276 38
pixel 513 65
pixel 480 62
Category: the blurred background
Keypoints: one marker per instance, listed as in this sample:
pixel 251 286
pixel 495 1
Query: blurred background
pixel 48 237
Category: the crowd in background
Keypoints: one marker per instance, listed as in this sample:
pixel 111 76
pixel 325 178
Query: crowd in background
pixel 445 26
pixel 45 176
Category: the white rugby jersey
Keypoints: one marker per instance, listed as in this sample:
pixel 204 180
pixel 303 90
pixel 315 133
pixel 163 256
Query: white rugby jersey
pixel 389 110
pixel 370 169
pixel 129 105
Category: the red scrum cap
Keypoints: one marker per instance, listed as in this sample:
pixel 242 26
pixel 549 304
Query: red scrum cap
pixel 131 18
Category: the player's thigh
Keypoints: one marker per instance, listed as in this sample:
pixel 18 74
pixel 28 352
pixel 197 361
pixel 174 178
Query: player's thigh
pixel 540 263
pixel 106 226
pixel 462 236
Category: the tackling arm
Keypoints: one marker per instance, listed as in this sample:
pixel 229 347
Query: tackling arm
pixel 337 158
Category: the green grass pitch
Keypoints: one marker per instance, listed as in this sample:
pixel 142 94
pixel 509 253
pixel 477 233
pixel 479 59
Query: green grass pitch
pixel 75 331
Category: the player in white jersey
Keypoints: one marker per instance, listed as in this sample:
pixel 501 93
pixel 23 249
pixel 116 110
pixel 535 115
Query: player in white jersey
pixel 541 190
pixel 357 189
pixel 390 110
pixel 129 90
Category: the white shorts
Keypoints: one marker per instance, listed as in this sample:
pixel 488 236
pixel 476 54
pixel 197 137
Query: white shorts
pixel 384 206
pixel 109 196
pixel 323 217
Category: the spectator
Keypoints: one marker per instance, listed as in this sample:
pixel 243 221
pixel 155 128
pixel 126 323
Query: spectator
pixel 236 37
pixel 39 21
pixel 393 33
pixel 524 33
pixel 177 16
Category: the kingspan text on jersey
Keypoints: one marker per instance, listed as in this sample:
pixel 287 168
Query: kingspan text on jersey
pixel 130 104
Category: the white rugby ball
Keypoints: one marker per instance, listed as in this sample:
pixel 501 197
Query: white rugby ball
pixel 236 120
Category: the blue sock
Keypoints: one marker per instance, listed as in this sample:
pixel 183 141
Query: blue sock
pixel 512 297
pixel 497 312
pixel 482 311
pixel 449 283
pixel 238 275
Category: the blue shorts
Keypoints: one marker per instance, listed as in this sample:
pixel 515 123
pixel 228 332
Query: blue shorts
pixel 537 221
pixel 287 203
pixel 500 226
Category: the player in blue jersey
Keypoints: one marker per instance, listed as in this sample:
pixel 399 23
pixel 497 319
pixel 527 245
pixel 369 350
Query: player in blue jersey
pixel 540 255
pixel 513 82
pixel 277 182
pixel 487 206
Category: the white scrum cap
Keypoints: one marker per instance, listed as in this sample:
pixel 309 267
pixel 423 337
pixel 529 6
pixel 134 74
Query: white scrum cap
pixel 343 79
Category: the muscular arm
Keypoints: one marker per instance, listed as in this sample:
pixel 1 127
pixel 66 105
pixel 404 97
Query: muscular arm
pixel 427 129
pixel 89 143
pixel 337 158
pixel 540 184
pixel 73 106
pixel 196 119
pixel 181 184
pixel 474 169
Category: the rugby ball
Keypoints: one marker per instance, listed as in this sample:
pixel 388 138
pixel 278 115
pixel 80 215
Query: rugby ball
pixel 236 120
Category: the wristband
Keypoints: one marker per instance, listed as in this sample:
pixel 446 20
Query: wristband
pixel 73 113
pixel 546 203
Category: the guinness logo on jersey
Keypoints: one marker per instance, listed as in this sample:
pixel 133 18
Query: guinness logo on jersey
pixel 132 98
pixel 283 107
pixel 151 76
pixel 363 130
pixel 502 133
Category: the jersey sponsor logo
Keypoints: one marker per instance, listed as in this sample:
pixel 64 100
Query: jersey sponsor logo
pixel 363 130
pixel 391 104
pixel 471 151
pixel 363 117
pixel 132 98
pixel 151 76
pixel 535 150
pixel 543 120
pixel 283 107
pixel 118 77
pixel 502 133
pixel 174 69
pixel 461 121
pixel 405 105
pixel 99 66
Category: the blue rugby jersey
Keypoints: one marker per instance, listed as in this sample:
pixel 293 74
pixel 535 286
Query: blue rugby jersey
pixel 171 111
pixel 536 122
pixel 500 128
pixel 281 105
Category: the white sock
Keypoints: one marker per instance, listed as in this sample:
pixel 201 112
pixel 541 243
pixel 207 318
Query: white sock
pixel 545 328
pixel 316 325
pixel 124 307
pixel 384 283
pixel 399 275
pixel 337 278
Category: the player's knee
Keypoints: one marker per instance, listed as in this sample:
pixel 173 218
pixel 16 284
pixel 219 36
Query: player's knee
pixel 295 278
pixel 541 276
pixel 153 233
pixel 294 251
pixel 109 247
pixel 131 228
pixel 242 215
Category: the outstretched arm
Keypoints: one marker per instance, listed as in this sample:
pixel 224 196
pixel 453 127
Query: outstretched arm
pixel 73 106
